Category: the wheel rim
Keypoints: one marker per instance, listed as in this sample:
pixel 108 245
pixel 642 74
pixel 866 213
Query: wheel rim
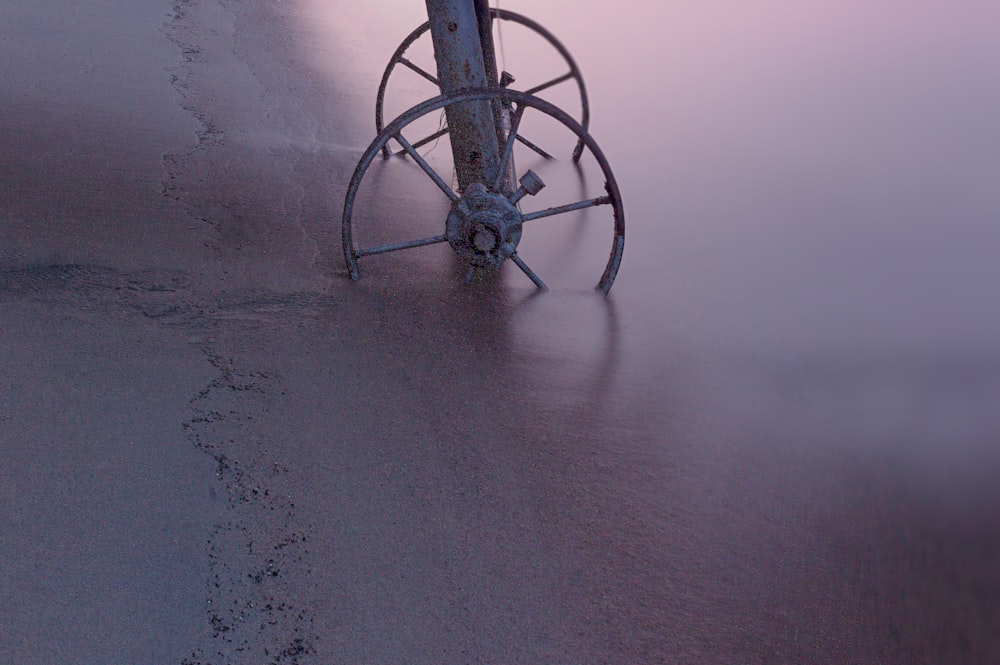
pixel 522 102
pixel 399 58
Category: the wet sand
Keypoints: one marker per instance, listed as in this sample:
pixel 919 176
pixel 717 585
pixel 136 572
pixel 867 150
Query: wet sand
pixel 217 449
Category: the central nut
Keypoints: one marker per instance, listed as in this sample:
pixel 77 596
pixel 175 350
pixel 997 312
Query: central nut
pixel 483 227
pixel 484 239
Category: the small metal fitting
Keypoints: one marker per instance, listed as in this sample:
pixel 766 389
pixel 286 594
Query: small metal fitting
pixel 530 184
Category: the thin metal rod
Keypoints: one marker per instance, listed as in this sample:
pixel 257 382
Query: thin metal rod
pixel 424 141
pixel 449 192
pixel 570 207
pixel 508 147
pixel 534 147
pixel 528 271
pixel 399 245
pixel 548 84
pixel 419 70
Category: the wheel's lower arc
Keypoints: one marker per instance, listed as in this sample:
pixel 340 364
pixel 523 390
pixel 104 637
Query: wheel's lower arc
pixel 504 15
pixel 395 128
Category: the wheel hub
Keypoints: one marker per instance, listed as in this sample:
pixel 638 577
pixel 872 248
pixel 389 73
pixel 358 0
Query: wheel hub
pixel 483 227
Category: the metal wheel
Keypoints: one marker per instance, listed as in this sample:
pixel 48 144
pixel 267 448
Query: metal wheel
pixel 399 58
pixel 484 225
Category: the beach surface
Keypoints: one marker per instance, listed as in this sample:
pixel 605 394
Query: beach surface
pixel 775 442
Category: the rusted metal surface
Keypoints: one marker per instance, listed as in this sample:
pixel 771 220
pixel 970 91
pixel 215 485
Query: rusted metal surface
pixel 461 63
pixel 484 227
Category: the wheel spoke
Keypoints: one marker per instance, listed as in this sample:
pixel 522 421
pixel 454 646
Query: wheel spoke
pixel 548 84
pixel 399 245
pixel 534 147
pixel 508 147
pixel 558 210
pixel 411 151
pixel 419 70
pixel 528 271
pixel 424 141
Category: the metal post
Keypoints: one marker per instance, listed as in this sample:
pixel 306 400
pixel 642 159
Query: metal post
pixel 456 27
pixel 485 24
pixel 500 115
